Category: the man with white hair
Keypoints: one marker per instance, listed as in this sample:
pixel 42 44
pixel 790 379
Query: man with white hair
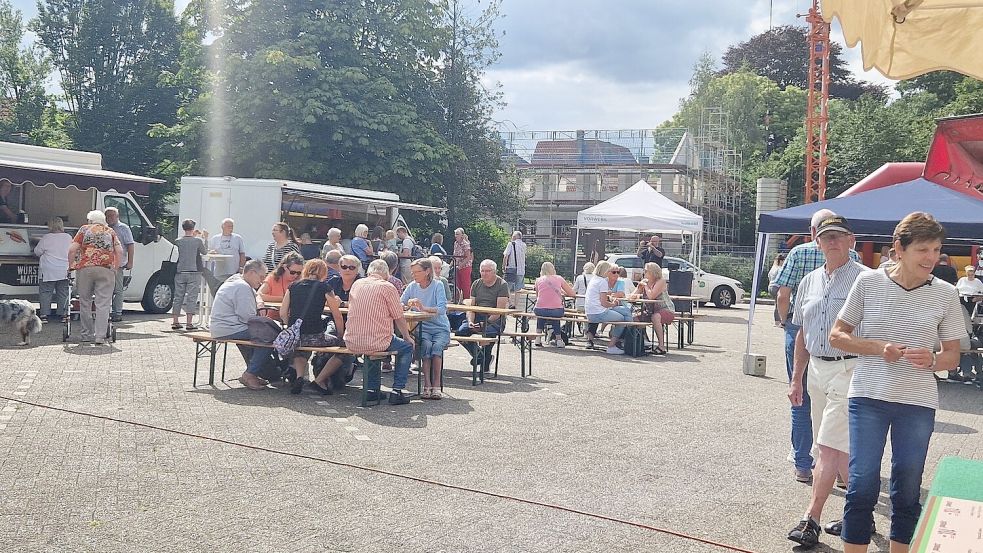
pixel 488 291
pixel 225 243
pixel 125 236
pixel 800 261
pixel 373 309
pixel 514 263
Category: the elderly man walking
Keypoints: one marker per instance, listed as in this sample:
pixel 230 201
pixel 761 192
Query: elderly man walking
pixel 819 298
pixel 373 309
pixel 125 236
pixel 514 263
pixel 801 260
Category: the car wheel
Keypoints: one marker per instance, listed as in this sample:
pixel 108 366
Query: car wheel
pixel 723 297
pixel 158 296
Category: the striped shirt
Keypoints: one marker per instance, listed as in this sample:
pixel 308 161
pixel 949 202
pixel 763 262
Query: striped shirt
pixel 802 260
pixel 920 318
pixel 821 297
pixel 373 305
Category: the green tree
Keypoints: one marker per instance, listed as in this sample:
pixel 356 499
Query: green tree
pixel 110 55
pixel 23 72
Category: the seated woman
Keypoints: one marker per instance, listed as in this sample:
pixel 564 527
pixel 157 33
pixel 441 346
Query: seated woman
pixel 275 285
pixel 427 295
pixel 602 306
pixel 550 290
pixel 305 300
pixel 654 287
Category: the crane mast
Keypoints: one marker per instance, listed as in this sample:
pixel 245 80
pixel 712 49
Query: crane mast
pixel 817 107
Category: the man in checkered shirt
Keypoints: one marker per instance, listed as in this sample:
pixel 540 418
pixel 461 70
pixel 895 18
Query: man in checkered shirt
pixel 801 260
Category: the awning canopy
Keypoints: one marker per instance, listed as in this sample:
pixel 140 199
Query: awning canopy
pixel 361 197
pixel 640 209
pixel 906 38
pixel 877 212
pixel 64 176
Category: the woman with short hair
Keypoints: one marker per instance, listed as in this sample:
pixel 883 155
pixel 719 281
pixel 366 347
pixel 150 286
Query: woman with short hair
pixel 437 244
pixel 95 254
pixel 52 249
pixel 580 285
pixel 894 319
pixel 653 287
pixel 426 295
pixel 361 248
pixel 333 242
pixel 187 280
pixel 602 305
pixel 283 243
pixel 305 300
pixel 551 288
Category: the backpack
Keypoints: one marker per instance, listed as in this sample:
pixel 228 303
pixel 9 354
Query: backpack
pixel 634 341
pixel 263 330
pixel 417 252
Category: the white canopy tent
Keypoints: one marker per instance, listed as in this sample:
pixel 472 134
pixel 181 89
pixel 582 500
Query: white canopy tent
pixel 642 209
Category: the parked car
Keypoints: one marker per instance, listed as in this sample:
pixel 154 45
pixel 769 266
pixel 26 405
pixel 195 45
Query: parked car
pixel 710 288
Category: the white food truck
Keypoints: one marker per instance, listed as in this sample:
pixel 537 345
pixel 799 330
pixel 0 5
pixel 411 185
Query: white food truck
pixel 42 183
pixel 256 204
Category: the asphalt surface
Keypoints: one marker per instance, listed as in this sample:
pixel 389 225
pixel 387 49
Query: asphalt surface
pixel 685 443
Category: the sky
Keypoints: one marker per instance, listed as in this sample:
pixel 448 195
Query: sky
pixel 614 64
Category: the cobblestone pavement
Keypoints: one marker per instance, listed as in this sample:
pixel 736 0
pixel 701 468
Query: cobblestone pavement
pixel 686 443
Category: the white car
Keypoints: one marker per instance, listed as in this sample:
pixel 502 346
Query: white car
pixel 720 290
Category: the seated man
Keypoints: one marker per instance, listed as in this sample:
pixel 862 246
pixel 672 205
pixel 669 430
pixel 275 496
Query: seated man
pixel 333 258
pixel 488 291
pixel 235 303
pixel 373 308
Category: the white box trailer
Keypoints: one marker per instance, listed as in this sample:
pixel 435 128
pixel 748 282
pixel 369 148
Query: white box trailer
pixel 256 204
pixel 42 183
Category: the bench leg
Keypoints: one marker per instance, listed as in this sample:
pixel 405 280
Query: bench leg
pixel 225 357
pixel 498 353
pixel 522 355
pixel 371 368
pixel 679 334
pixel 529 345
pixel 689 331
pixel 474 370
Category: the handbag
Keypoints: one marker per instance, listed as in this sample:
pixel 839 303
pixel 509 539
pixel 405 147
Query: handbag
pixel 288 340
pixel 168 269
pixel 263 330
pixel 511 273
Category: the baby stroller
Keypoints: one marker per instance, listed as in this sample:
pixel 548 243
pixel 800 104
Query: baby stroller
pixel 75 313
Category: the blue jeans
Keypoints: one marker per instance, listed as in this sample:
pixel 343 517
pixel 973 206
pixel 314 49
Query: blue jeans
pixel 404 355
pixel 433 342
pixel 801 415
pixel 911 428
pixel 616 314
pixel 490 330
pixel 256 358
pixel 556 312
pixel 58 288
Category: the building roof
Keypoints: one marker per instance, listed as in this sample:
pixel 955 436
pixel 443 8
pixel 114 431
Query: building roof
pixel 581 152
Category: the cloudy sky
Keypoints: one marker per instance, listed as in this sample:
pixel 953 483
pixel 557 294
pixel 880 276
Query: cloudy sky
pixel 593 64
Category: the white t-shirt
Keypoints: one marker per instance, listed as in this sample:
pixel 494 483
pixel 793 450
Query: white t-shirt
pixel 968 287
pixel 53 251
pixel 580 287
pixel 227 245
pixel 517 257
pixel 920 318
pixel 592 303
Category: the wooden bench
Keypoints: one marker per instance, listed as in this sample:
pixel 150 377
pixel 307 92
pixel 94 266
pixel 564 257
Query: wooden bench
pixel 205 343
pixel 477 372
pixel 525 344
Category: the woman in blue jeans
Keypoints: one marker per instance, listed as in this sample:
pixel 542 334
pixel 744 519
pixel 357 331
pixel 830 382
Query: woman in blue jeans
pixel 426 294
pixel 602 306
pixel 905 314
pixel 551 288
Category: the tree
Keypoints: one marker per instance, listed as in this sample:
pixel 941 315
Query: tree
pixel 110 55
pixel 782 55
pixel 23 72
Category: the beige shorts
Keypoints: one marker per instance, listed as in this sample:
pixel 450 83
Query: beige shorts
pixel 829 382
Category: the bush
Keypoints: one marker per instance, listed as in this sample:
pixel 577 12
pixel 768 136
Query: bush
pixel 737 268
pixel 536 255
pixel 488 241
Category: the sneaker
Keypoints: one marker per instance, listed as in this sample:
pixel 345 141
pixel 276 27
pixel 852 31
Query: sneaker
pixel 559 344
pixel 252 381
pixel 396 397
pixel 314 386
pixel 116 318
pixel 298 385
pixel 835 528
pixel 806 533
pixel 373 396
pixel 956 377
pixel 614 350
pixel 803 475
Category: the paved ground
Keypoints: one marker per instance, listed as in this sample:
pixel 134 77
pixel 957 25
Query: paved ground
pixel 686 443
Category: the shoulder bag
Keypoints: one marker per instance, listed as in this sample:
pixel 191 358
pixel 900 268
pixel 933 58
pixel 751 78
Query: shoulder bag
pixel 512 273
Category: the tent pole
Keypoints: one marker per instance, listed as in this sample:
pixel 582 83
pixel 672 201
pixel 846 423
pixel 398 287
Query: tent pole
pixel 759 256
pixel 576 248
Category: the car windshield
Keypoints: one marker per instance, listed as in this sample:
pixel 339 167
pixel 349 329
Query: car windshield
pixel 676 264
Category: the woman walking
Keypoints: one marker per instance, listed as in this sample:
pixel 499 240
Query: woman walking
pixel 187 281
pixel 426 295
pixel 95 253
pixel 894 319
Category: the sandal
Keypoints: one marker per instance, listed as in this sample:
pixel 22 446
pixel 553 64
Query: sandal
pixel 191 326
pixel 435 394
pixel 427 394
pixel 176 326
pixel 659 351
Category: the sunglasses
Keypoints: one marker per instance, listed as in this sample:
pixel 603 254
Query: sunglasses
pixel 349 267
pixel 294 273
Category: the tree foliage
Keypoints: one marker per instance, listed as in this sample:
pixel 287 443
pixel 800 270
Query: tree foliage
pixel 23 72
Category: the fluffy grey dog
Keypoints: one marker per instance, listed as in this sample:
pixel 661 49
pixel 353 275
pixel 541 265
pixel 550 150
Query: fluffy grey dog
pixel 20 314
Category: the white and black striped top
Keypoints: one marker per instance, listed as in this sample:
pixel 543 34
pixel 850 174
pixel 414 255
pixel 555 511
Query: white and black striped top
pixel 818 301
pixel 920 317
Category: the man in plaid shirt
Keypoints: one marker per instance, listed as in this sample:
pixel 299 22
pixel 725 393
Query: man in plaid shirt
pixel 801 260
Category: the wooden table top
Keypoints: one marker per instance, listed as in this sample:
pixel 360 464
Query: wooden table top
pixel 479 309
pixel 408 315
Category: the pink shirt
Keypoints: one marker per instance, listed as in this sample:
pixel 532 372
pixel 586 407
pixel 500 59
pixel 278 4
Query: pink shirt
pixel 549 292
pixel 373 305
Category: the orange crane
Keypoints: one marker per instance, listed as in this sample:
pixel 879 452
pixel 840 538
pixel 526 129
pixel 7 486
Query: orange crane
pixel 817 107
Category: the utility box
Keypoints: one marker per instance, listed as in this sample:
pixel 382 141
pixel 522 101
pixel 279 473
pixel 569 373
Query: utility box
pixel 754 364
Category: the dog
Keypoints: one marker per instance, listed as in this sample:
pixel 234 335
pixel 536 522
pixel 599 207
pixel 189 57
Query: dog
pixel 21 315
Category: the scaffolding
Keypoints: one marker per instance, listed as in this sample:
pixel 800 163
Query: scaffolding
pixel 563 172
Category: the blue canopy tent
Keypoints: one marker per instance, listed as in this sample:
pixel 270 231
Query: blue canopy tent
pixel 874 213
